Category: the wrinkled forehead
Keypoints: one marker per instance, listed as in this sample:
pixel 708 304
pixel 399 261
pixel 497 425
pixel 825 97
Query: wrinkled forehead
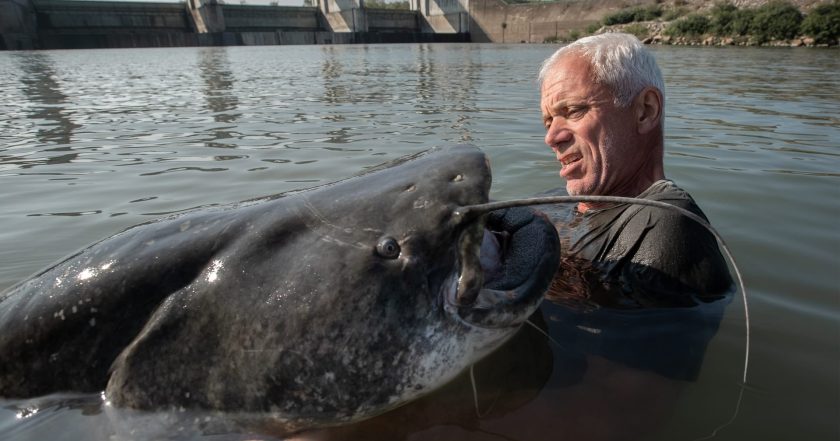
pixel 566 64
pixel 571 81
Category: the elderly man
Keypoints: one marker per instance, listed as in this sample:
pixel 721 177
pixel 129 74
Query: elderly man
pixel 603 108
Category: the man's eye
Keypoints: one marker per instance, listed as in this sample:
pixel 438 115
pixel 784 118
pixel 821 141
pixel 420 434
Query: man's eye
pixel 575 112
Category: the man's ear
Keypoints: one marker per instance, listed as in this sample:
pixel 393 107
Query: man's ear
pixel 648 108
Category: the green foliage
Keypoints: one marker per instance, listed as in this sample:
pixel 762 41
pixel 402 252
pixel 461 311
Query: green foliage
pixel 639 30
pixel 723 9
pixel 381 4
pixel 673 14
pixel 648 13
pixel 740 23
pixel 823 23
pixel 573 35
pixel 727 19
pixel 691 25
pixel 629 15
pixel 775 21
pixel 620 17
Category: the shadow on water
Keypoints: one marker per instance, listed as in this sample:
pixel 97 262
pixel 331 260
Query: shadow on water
pixel 359 94
pixel 582 371
pixel 215 69
pixel 457 82
pixel 337 91
pixel 331 71
pixel 42 89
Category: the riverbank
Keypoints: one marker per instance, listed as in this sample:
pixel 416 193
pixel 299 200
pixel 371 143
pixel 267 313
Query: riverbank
pixel 780 24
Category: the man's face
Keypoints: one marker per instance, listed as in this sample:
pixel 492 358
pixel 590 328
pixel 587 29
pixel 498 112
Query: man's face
pixel 595 141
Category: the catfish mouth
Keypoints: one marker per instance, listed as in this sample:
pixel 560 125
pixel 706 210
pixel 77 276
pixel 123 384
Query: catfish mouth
pixel 507 259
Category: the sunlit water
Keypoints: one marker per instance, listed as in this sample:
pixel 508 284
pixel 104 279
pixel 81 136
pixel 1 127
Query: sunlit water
pixel 92 142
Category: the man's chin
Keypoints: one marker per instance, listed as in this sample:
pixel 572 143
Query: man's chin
pixel 574 190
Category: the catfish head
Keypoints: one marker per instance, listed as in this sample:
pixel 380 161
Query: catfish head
pixel 311 309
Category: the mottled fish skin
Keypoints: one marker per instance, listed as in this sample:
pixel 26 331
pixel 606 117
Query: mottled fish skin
pixel 295 306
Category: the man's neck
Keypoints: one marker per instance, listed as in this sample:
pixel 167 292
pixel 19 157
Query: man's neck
pixel 639 186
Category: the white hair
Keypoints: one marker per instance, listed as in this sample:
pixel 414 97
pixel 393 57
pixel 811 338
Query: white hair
pixel 619 61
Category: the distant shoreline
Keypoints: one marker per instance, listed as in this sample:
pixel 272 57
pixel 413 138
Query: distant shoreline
pixel 774 24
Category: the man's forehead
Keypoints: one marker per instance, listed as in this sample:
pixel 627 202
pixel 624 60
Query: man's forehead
pixel 565 94
pixel 571 81
pixel 570 65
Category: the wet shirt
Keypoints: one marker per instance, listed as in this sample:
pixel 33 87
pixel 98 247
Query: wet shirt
pixel 651 256
pixel 639 285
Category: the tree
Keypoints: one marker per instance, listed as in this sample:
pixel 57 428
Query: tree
pixel 823 23
pixel 776 21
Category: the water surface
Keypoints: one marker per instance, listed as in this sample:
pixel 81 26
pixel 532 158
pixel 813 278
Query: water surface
pixel 92 142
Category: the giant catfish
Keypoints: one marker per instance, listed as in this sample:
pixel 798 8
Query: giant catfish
pixel 312 309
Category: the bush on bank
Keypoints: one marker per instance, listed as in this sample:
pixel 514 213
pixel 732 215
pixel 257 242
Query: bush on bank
pixel 630 15
pixel 777 20
pixel 727 19
pixel 690 25
pixel 637 29
pixel 823 23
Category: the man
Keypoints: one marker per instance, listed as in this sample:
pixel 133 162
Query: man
pixel 603 108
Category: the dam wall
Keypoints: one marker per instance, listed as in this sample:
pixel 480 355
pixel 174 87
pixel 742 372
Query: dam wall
pixel 18 25
pixel 494 21
pixel 81 24
pixel 74 24
pixel 443 16
pixel 65 24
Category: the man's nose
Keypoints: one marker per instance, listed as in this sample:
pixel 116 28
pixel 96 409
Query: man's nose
pixel 557 134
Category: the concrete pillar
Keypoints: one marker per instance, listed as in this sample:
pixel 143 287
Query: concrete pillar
pixel 445 16
pixel 206 16
pixel 345 15
pixel 18 25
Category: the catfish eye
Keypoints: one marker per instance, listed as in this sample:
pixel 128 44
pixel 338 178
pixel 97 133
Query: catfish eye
pixel 388 248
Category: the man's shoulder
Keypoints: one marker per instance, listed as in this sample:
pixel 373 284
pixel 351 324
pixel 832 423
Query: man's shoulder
pixel 668 191
pixel 677 245
pixel 658 243
pixel 668 221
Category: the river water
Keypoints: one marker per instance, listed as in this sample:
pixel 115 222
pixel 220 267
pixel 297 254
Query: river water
pixel 92 142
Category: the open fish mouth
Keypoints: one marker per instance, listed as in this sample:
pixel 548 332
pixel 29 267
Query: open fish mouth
pixel 507 259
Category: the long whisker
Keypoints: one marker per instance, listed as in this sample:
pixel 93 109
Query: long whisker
pixel 545 334
pixel 469 211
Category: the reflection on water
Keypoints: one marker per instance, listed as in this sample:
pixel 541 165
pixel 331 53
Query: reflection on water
pixel 48 108
pixel 214 69
pixel 331 70
pixel 41 87
pixel 580 371
pixel 92 142
pixel 605 375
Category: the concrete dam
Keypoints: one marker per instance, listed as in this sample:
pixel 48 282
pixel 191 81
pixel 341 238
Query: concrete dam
pixel 63 24
pixel 76 24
